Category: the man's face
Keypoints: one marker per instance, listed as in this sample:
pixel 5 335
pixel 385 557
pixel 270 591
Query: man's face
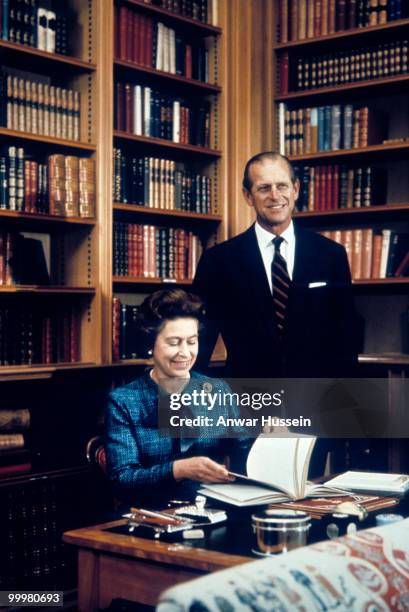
pixel 272 194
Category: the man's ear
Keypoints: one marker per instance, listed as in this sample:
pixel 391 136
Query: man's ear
pixel 296 188
pixel 247 196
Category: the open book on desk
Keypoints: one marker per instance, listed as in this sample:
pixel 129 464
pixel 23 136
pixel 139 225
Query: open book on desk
pixel 277 470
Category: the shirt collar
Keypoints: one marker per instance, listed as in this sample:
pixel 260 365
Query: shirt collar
pixel 264 237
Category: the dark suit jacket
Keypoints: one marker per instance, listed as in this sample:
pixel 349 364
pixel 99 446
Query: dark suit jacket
pixel 319 339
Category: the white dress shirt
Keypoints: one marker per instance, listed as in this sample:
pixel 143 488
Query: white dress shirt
pixel 266 246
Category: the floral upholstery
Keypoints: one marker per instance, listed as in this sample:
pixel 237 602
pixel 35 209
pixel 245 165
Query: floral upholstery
pixel 366 571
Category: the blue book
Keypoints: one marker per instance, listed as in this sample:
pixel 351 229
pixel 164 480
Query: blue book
pixel 348 124
pixel 5 15
pixel 327 128
pixel 321 127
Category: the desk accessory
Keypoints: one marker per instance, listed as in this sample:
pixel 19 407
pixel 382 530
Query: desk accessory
pixel 278 531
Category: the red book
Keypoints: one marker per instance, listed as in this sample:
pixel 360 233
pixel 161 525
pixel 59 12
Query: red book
pixel 323 189
pixel 188 61
pixel 331 16
pixel 34 186
pixel 136 18
pixel 403 268
pixel 328 190
pixel 142 40
pixel 317 189
pixel 335 187
pixel 130 36
pixel 317 18
pixel 123 20
pixel 11 470
pixel 283 21
pixel 294 20
pixel 284 71
pixel 149 42
pixel 75 337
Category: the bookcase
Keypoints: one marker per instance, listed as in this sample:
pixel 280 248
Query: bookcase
pixel 341 100
pixel 166 155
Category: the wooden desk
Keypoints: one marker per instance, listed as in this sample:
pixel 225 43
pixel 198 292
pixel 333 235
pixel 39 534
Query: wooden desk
pixel 112 565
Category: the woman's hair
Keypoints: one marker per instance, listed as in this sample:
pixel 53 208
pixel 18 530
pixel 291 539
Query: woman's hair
pixel 163 306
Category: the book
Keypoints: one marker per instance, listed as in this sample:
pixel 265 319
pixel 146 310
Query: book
pixel 277 470
pixel 377 482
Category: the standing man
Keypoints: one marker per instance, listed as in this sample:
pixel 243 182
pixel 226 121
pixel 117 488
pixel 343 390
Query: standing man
pixel 279 295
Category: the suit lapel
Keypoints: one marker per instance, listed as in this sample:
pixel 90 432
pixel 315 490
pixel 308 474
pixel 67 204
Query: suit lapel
pixel 252 268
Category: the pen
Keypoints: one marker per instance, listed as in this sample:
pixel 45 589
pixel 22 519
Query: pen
pixel 159 515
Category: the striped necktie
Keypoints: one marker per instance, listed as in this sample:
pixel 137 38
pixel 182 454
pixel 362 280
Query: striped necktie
pixel 281 285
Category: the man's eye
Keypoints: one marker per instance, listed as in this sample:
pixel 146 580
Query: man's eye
pixel 283 187
pixel 192 342
pixel 173 343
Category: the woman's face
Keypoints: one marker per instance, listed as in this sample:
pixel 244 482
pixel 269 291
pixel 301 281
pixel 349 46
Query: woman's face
pixel 176 347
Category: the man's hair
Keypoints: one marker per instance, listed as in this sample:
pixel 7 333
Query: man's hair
pixel 259 159
pixel 163 306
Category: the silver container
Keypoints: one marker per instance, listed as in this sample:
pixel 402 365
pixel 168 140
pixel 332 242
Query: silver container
pixel 278 531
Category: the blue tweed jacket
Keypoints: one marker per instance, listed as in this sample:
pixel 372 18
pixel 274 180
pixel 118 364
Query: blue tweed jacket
pixel 140 458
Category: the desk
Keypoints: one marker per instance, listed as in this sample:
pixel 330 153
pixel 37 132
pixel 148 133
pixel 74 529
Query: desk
pixel 113 565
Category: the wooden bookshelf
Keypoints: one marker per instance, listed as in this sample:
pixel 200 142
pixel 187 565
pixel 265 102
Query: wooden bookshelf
pixel 381 302
pixel 134 209
pixel 167 146
pixel 15 54
pixel 394 83
pixel 141 280
pixel 394 27
pixel 38 219
pixel 194 25
pixel 160 76
pixel 52 290
pixel 50 141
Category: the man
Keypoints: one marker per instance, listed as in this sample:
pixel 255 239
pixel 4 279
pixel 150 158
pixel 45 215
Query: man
pixel 280 296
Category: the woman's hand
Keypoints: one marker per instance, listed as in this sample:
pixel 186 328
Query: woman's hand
pixel 201 469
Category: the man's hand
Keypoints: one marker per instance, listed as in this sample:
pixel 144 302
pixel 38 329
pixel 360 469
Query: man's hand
pixel 201 469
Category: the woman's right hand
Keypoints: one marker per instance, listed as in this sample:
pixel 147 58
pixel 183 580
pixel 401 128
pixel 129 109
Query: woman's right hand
pixel 201 469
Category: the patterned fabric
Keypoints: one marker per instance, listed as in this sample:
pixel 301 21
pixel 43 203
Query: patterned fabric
pixel 367 571
pixel 140 457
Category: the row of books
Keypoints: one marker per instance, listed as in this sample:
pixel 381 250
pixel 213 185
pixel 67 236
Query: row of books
pixel 159 183
pixel 14 455
pixel 143 41
pixel 374 254
pixel 329 128
pixel 148 251
pixel 336 187
pixel 127 340
pixel 302 73
pixel 38 108
pixel 32 23
pixel 61 185
pixel 303 19
pixel 31 335
pixel 202 10
pixel 144 111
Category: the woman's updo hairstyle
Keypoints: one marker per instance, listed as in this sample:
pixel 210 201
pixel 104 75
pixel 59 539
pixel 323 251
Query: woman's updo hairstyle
pixel 163 306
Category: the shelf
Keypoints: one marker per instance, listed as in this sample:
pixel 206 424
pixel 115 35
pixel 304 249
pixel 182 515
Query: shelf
pixel 51 140
pixel 44 475
pixel 38 372
pixel 394 82
pixel 141 280
pixel 12 53
pixel 384 359
pixel 39 219
pixel 380 149
pixel 364 210
pixel 378 282
pixel 132 362
pixel 179 214
pixel 160 143
pixel 48 289
pixel 200 28
pixel 159 75
pixel 372 31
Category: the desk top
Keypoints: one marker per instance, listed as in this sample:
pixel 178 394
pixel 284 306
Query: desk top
pixel 100 537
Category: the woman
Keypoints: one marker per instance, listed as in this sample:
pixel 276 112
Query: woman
pixel 143 463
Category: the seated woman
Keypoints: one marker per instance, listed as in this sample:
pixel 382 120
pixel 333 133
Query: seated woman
pixel 143 463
